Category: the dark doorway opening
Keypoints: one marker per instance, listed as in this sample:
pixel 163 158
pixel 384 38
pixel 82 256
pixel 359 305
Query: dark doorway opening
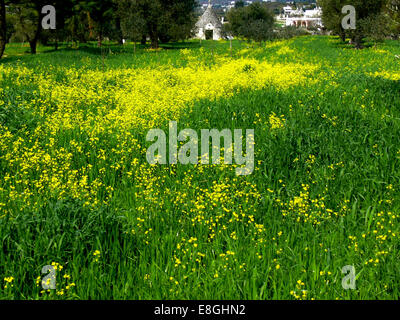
pixel 209 34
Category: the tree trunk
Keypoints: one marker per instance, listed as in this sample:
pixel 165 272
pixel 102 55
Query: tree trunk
pixel 3 28
pixel 100 39
pixel 154 40
pixel 154 43
pixel 120 35
pixel 358 41
pixel 342 35
pixel 33 42
pixel 33 45
pixel 81 38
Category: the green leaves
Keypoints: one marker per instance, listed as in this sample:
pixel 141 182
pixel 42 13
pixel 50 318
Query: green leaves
pixel 254 22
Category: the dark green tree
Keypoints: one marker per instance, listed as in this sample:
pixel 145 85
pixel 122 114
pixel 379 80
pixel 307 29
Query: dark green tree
pixel 254 22
pixel 28 18
pixel 239 4
pixel 64 11
pixel 368 18
pixel 133 24
pixel 393 16
pixel 165 19
pixel 332 16
pixel 101 14
pixel 77 27
pixel 368 12
pixel 3 27
pixel 30 22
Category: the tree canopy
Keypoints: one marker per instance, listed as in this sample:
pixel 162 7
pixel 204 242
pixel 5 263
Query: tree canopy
pixel 83 20
pixel 371 18
pixel 254 22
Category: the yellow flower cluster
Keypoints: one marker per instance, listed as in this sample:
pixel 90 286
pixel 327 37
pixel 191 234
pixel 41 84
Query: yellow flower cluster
pixel 303 208
pixel 9 282
pixel 276 122
pixel 89 105
pixel 96 255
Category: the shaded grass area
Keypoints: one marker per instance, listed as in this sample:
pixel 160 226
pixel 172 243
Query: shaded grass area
pixel 111 55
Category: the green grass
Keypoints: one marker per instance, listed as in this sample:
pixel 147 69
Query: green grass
pixel 349 121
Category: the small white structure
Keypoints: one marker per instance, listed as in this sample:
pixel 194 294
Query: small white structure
pixel 209 27
pixel 315 13
pixel 304 22
pixel 288 10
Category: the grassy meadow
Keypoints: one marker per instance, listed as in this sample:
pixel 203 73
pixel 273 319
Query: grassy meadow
pixel 76 191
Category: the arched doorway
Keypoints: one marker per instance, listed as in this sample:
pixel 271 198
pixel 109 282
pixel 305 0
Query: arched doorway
pixel 209 34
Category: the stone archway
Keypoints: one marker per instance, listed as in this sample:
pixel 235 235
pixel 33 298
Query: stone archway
pixel 209 34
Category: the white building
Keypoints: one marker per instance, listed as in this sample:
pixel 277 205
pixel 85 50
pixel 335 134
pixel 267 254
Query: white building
pixel 209 27
pixel 300 18
pixel 287 10
pixel 315 13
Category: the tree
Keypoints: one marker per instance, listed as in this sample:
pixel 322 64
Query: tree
pixel 3 27
pixel 239 4
pixel 179 21
pixel 33 10
pixel 368 12
pixel 393 14
pixel 64 11
pixel 332 16
pixel 368 18
pixel 254 22
pixel 11 23
pixel 30 18
pixel 25 19
pixel 165 18
pixel 77 27
pixel 101 13
pixel 133 24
